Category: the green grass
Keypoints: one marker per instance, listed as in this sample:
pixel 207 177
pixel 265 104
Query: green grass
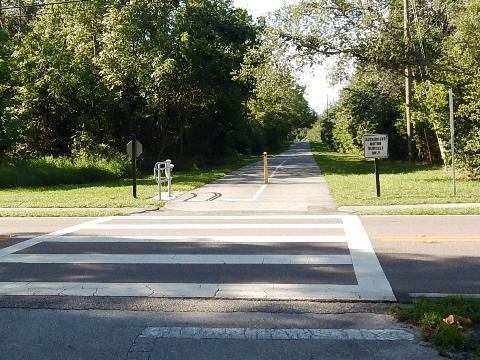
pixel 47 171
pixel 110 194
pixel 351 181
pixel 429 315
pixel 64 213
pixel 430 211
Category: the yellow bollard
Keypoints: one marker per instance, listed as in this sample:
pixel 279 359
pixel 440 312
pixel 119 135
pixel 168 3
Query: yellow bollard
pixel 265 167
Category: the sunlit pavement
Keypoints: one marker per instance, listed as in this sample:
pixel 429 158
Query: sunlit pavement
pixel 232 270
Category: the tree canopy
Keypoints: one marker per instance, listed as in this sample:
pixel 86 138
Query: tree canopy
pixel 367 38
pixel 81 78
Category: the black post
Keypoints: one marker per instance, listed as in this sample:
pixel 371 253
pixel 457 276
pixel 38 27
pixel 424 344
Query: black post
pixel 377 176
pixel 134 165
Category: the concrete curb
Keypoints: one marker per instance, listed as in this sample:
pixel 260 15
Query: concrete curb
pixel 86 210
pixel 408 207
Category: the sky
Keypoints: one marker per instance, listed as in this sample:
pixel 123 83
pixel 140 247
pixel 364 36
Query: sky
pixel 315 79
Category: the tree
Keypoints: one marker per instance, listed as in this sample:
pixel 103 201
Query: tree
pixel 371 103
pixel 88 75
pixel 5 90
pixel 169 65
pixel 443 52
pixel 58 92
pixel 278 107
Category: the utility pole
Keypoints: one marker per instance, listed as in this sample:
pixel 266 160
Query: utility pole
pixel 19 4
pixel 327 107
pixel 408 78
pixel 452 139
pixel 328 118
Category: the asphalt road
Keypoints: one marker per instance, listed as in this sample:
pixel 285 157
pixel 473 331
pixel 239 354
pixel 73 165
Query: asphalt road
pixel 231 270
pixel 419 254
pixel 45 334
pixel 427 254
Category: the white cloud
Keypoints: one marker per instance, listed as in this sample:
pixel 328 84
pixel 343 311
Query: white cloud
pixel 315 79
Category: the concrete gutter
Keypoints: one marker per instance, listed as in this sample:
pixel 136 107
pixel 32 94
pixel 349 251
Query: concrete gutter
pixel 408 207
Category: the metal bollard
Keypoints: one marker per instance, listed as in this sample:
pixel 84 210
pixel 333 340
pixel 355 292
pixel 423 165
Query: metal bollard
pixel 165 167
pixel 157 175
pixel 265 167
pixel 168 174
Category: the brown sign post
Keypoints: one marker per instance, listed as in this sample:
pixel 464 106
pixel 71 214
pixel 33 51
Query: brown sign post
pixel 134 150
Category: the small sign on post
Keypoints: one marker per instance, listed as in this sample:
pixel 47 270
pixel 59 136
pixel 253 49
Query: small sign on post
pixel 134 150
pixel 376 147
pixel 138 148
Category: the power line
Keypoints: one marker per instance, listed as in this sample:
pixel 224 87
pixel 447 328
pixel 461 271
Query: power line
pixel 66 2
pixel 419 36
pixel 21 14
pixel 43 4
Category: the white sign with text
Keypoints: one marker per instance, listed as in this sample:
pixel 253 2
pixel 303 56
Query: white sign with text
pixel 376 146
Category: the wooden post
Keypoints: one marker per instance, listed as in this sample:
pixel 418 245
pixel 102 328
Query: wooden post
pixel 408 78
pixel 265 167
pixel 19 3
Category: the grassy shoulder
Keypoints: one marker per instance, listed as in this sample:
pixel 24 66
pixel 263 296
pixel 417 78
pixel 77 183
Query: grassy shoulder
pixel 49 171
pixel 447 336
pixel 108 194
pixel 430 211
pixel 88 212
pixel 351 182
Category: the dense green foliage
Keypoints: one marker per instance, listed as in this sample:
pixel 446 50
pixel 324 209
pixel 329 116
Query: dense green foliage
pixel 372 103
pixel 80 79
pixel 367 38
pixel 61 170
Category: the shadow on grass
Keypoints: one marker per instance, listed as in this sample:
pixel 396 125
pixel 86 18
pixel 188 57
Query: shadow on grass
pixel 194 177
pixel 345 164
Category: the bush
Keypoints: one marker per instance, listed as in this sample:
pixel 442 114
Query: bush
pixel 47 171
pixel 429 314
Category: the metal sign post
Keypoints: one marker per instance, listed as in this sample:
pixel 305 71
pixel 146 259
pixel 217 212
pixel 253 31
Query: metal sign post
pixel 134 150
pixel 452 136
pixel 376 147
pixel 377 175
pixel 134 166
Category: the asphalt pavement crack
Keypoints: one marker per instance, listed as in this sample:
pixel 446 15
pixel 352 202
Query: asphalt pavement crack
pixel 152 291
pixel 141 348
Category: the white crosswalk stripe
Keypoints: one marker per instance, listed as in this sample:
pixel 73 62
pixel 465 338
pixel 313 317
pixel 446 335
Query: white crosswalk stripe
pixel 370 281
pixel 194 239
pixel 177 259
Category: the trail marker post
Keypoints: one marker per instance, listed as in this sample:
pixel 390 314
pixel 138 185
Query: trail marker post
pixel 265 167
pixel 134 150
pixel 376 147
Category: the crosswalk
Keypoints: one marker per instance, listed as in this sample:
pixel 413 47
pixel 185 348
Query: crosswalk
pixel 320 257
